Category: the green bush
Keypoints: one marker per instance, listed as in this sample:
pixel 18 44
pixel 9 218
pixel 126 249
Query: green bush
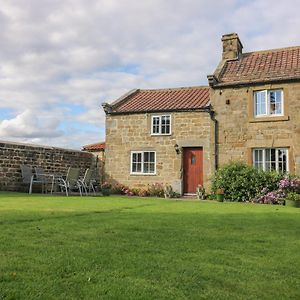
pixel 292 196
pixel 242 182
pixel 269 180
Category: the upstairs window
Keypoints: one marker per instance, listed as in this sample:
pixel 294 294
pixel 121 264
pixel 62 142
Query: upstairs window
pixel 271 159
pixel 268 103
pixel 161 125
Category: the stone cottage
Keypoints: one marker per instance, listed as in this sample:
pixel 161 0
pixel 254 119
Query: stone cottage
pixel 179 136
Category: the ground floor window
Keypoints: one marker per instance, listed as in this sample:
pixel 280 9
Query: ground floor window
pixel 143 162
pixel 269 159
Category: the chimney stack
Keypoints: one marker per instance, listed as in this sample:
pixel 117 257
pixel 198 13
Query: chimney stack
pixel 232 46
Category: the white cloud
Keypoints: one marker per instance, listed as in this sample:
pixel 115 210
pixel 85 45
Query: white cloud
pixel 75 52
pixel 30 125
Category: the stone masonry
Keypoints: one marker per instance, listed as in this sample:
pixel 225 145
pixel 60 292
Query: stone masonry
pixel 53 160
pixel 239 132
pixel 131 132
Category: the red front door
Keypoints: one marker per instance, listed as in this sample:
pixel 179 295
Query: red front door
pixel 192 169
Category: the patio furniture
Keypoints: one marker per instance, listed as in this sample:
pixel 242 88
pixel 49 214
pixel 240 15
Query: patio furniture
pixel 29 178
pixel 71 182
pixel 45 178
pixel 88 181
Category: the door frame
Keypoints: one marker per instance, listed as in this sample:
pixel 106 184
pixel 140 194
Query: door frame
pixel 183 166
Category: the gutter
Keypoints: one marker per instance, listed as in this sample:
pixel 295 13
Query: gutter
pixel 215 85
pixel 204 109
pixel 216 137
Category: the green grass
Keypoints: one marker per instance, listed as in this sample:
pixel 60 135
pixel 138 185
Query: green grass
pixel 134 248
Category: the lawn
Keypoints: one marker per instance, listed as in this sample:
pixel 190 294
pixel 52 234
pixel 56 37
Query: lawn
pixel 139 248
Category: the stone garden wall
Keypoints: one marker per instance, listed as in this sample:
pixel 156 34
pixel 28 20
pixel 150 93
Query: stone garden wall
pixel 53 160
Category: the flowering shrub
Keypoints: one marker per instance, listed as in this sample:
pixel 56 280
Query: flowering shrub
pixel 285 187
pixel 124 190
pixel 127 191
pixel 106 185
pixel 118 189
pixel 156 190
pixel 143 193
pixel 244 183
pixel 290 184
pixel 270 197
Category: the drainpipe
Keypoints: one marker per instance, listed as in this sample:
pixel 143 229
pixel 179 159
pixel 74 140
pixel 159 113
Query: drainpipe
pixel 216 137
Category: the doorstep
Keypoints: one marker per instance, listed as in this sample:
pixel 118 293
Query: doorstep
pixel 189 196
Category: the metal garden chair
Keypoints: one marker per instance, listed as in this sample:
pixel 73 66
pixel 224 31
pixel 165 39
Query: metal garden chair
pixel 29 178
pixel 87 181
pixel 71 182
pixel 45 178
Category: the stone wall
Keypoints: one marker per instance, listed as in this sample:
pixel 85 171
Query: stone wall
pixel 53 160
pixel 132 132
pixel 240 132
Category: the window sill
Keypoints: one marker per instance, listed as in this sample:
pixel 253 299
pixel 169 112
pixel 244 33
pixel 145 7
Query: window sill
pixel 269 119
pixel 161 134
pixel 142 174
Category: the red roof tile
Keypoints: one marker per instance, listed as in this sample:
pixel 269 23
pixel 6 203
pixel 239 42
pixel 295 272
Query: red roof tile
pixel 278 64
pixel 163 99
pixel 94 147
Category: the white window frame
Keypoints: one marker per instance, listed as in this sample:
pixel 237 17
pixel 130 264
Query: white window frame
pixel 268 104
pixel 142 163
pixel 276 158
pixel 160 124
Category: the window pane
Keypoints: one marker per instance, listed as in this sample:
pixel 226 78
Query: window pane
pixel 149 162
pixel 146 162
pixel 258 166
pixel 275 102
pixel 155 124
pixel 282 160
pixel 278 104
pixel 146 167
pixel 193 159
pixel 136 162
pixel 270 159
pixel 272 100
pixel 165 124
pixel 260 103
pixel 152 168
pixel 152 157
pixel 258 159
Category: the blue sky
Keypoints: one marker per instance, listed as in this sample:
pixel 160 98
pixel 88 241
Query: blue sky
pixel 59 60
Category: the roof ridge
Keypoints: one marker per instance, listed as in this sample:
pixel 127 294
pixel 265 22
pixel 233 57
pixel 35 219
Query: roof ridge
pixel 124 97
pixel 175 88
pixel 272 50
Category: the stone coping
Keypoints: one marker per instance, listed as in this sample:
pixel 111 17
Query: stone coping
pixel 3 142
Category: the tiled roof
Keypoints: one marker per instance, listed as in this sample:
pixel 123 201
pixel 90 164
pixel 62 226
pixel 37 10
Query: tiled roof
pixel 278 64
pixel 163 99
pixel 94 147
